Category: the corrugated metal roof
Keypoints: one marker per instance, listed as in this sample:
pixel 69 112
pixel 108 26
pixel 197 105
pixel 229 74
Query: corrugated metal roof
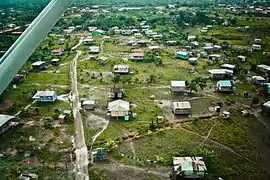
pixel 4 119
pixel 225 83
pixel 178 84
pixel 119 105
pixel 263 66
pixel 182 105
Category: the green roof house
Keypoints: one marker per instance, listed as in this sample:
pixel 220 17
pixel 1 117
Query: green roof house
pixel 182 55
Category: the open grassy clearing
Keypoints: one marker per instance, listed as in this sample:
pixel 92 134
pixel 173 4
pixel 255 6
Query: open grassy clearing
pixel 45 78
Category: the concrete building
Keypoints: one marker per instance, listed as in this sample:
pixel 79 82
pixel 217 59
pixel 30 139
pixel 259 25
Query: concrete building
pixel 45 96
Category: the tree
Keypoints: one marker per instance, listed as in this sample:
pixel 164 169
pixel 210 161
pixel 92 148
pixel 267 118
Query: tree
pixel 125 79
pixel 116 79
pixel 195 84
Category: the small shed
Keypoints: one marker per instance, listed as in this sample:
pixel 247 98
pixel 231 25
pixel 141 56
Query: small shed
pixel 62 118
pixel 18 78
pixel 160 119
pixel 191 37
pixel 228 66
pixel 117 93
pixel 171 43
pixel 181 108
pixel 258 80
pixel 88 104
pixel 178 86
pixel 55 62
pixel 154 48
pixel 193 61
pixel 242 58
pixel 256 47
pixel 182 55
pixel 28 176
pixel 88 41
pixel 61 41
pixel 214 57
pixel 39 65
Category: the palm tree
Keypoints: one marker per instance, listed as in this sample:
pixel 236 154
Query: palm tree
pixel 195 84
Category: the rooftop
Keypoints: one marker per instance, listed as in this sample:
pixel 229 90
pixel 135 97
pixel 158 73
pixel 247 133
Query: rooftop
pixel 38 63
pixel 178 83
pixel 5 118
pixel 118 105
pixel 225 83
pixel 220 71
pixel 43 93
pixel 182 105
pixel 263 66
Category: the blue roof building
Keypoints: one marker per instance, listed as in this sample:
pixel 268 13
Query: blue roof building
pixel 225 86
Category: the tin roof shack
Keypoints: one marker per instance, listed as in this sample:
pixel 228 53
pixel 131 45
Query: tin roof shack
pixel 182 55
pixel 242 58
pixel 220 74
pixel 138 35
pixel 264 69
pixel 203 54
pixel 39 65
pixel 214 57
pixel 121 69
pixel 256 47
pixel 158 36
pixel 266 108
pixel 181 108
pixel 154 48
pixel 191 37
pixel 6 123
pixel 136 56
pixel 171 43
pixel 93 49
pixel 62 118
pixel 28 176
pixel 137 51
pixel 57 52
pixel 228 66
pixel 45 96
pixel 178 86
pixel 61 41
pixel 189 167
pixel 18 78
pixel 117 93
pixel 259 80
pixel 88 105
pixel 225 86
pixel 193 61
pixel 55 62
pixel 88 41
pixel 118 108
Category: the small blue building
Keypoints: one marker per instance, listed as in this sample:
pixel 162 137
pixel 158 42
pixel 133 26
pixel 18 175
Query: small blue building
pixel 225 86
pixel 45 96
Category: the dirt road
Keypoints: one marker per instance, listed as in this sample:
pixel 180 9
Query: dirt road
pixel 81 149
